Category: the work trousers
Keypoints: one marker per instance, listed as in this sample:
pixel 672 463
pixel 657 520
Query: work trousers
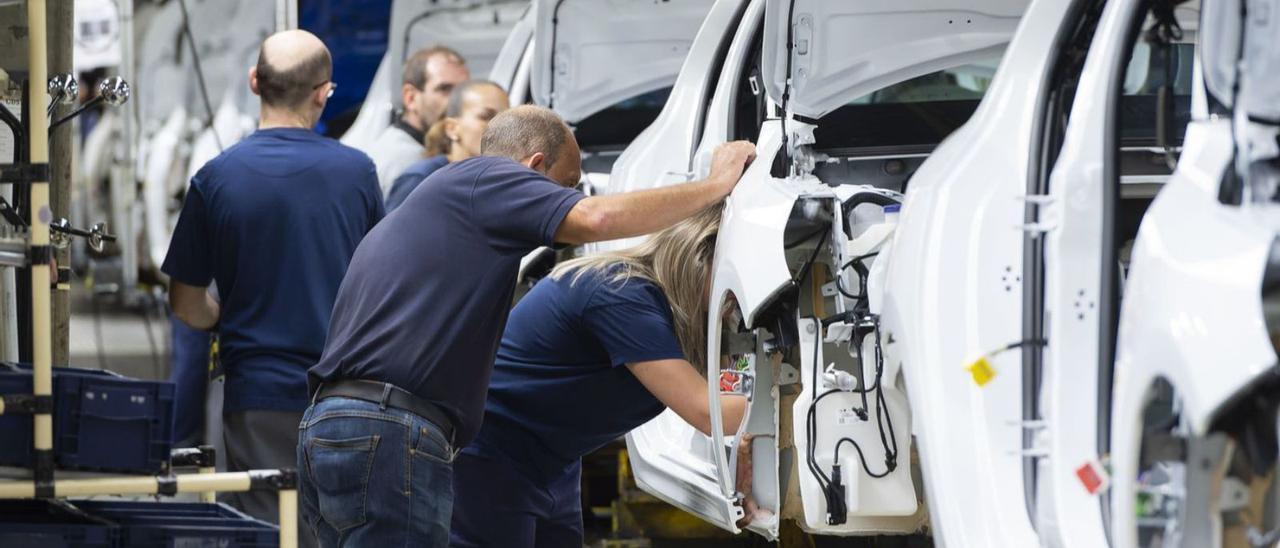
pixel 497 505
pixel 373 476
pixel 262 440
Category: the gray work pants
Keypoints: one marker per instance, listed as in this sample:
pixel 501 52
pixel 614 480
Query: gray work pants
pixel 262 440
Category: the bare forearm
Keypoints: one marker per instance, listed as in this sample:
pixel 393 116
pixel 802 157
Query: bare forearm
pixel 732 408
pixel 615 216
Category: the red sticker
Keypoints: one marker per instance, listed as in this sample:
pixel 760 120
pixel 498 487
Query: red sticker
pixel 1092 477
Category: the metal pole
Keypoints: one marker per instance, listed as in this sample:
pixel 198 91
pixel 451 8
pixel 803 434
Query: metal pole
pixel 41 251
pixel 60 62
pixel 286 15
pixel 8 277
pixel 124 181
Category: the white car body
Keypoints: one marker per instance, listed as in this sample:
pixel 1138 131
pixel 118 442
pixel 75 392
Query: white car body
pixel 894 45
pixel 476 29
pixel 582 57
pixel 1192 297
pixel 586 59
pixel 1002 457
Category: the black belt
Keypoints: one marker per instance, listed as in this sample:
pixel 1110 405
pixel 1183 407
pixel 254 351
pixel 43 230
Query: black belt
pixel 388 395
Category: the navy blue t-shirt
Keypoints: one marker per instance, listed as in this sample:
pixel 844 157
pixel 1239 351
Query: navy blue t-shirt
pixel 274 221
pixel 411 178
pixel 427 295
pixel 560 387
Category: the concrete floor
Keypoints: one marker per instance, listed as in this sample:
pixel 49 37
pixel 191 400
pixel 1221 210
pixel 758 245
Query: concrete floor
pixel 117 339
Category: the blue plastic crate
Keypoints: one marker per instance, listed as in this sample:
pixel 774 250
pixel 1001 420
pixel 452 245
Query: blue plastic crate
pixel 101 421
pixel 178 524
pixel 46 524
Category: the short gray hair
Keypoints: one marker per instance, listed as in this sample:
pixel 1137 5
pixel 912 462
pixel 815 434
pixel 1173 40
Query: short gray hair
pixel 524 130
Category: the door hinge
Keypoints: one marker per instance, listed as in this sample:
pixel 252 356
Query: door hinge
pixel 1047 213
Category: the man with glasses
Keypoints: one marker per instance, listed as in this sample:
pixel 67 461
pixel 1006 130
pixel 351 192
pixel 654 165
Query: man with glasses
pixel 273 221
pixel 428 78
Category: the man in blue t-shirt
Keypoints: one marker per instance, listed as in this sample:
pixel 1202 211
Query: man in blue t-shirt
pixel 402 382
pixel 274 221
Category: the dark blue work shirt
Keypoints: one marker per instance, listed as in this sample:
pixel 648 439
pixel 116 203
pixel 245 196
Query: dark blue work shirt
pixel 560 387
pixel 274 221
pixel 411 178
pixel 427 295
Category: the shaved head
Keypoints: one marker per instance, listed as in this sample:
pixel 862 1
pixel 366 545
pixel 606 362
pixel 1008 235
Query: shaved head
pixel 527 131
pixel 520 132
pixel 291 64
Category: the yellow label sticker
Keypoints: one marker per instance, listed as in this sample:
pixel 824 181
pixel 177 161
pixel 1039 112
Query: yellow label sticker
pixel 982 371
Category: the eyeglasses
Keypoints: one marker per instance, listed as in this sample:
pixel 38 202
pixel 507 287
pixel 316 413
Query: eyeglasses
pixel 332 86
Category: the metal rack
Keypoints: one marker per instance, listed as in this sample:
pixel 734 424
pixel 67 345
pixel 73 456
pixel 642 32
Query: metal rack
pixel 34 250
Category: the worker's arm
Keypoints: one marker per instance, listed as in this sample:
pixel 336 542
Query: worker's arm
pixel 193 305
pixel 613 216
pixel 679 386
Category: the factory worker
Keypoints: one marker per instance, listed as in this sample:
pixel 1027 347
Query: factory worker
pixel 601 346
pixel 455 137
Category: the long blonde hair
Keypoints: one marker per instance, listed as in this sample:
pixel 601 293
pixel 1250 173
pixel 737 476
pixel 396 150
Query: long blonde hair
pixel 678 261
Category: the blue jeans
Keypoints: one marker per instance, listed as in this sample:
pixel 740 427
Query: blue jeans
pixel 373 476
pixel 498 505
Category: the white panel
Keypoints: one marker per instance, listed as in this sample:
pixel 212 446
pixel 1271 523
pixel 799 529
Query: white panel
pixel 589 54
pixel 845 49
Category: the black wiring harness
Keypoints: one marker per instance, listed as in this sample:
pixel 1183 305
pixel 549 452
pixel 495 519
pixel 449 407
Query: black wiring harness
pixel 832 486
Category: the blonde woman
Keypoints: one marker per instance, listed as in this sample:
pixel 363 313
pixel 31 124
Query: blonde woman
pixel 601 346
pixel 453 138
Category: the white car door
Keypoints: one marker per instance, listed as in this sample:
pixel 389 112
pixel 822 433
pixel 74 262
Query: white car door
pixel 672 460
pixel 589 54
pixel 476 30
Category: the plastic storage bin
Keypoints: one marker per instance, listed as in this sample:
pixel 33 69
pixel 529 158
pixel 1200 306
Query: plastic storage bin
pixel 46 524
pixel 178 524
pixel 101 421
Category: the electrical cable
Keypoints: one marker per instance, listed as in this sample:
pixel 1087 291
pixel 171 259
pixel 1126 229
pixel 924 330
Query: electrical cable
pixel 804 270
pixel 810 426
pixel 831 486
pixel 53 102
pixel 805 238
pixel 889 442
pixel 786 89
pixel 862 275
pixel 195 60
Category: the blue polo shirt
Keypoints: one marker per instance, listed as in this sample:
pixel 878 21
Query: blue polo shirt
pixel 411 178
pixel 429 289
pixel 274 221
pixel 560 387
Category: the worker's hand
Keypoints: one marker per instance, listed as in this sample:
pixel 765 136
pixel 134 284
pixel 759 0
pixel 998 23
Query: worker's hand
pixel 728 162
pixel 751 511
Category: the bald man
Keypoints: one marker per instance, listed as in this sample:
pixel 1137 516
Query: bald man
pixel 274 221
pixel 402 382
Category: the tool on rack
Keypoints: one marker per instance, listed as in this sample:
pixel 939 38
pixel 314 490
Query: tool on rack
pixel 63 89
pixel 23 244
pixel 113 91
pixel 62 232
